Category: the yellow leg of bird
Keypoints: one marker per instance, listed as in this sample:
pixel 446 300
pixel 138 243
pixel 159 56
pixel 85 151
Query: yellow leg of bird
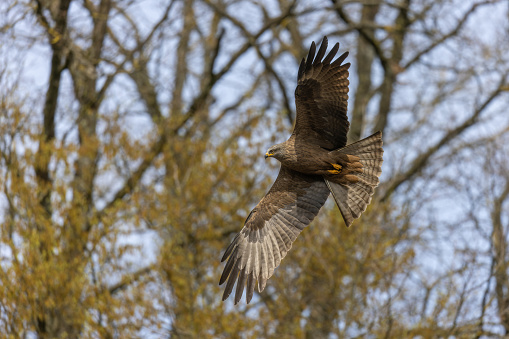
pixel 333 171
pixel 337 166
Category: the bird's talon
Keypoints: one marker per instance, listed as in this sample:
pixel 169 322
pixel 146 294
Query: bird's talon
pixel 337 169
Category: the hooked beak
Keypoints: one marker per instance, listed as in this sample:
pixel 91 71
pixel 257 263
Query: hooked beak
pixel 267 155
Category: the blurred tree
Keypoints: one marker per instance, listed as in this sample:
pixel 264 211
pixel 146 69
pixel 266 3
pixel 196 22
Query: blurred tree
pixel 126 170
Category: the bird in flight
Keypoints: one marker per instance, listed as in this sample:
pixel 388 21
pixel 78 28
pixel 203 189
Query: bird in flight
pixel 315 161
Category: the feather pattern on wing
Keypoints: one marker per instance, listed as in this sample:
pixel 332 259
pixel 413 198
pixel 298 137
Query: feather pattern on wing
pixel 321 98
pixel 270 230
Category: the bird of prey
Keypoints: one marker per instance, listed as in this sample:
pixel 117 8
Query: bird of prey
pixel 315 161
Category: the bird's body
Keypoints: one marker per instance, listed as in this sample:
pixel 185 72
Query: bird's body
pixel 309 160
pixel 315 161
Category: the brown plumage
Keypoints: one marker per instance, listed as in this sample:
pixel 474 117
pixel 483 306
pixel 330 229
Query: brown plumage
pixel 314 162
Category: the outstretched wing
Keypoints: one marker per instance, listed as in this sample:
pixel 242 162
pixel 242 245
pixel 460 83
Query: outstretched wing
pixel 270 229
pixel 321 98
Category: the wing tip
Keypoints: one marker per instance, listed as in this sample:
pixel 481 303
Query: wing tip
pixel 315 59
pixel 311 56
pixel 302 69
pixel 321 51
pixel 241 281
pixel 261 284
pixel 226 294
pixel 251 279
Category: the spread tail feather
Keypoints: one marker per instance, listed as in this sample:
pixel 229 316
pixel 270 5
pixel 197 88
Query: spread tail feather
pixel 354 196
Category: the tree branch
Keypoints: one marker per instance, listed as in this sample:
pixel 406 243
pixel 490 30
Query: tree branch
pixel 364 58
pixel 500 257
pixel 56 36
pixel 420 162
pixel 266 61
pixel 445 37
pixel 214 77
pixel 365 33
pixel 129 279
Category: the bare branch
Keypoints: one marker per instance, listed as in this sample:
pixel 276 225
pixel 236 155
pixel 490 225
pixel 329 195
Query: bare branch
pixel 499 243
pixel 266 61
pixel 390 73
pixel 485 299
pixel 181 57
pixel 420 162
pixel 445 37
pixel 364 32
pixel 214 77
pixel 364 58
pixel 129 279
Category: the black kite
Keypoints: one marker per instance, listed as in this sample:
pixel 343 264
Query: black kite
pixel 314 161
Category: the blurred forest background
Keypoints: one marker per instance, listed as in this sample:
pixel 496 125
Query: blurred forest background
pixel 131 151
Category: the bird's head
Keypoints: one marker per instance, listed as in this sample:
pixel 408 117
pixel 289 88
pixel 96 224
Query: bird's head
pixel 276 151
